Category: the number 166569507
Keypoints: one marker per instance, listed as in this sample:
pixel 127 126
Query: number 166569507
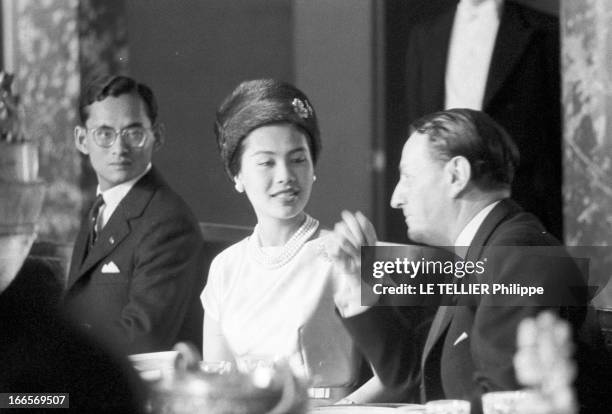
pixel 34 400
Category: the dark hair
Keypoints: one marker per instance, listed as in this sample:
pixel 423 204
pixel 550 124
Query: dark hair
pixel 103 87
pixel 491 152
pixel 257 103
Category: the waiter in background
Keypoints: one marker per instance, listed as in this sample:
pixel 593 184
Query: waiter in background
pixel 501 58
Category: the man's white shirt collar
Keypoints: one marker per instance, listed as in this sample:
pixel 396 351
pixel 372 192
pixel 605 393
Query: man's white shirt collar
pixel 466 236
pixel 113 196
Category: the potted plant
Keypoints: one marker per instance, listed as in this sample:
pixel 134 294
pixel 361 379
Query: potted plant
pixel 18 156
pixel 22 192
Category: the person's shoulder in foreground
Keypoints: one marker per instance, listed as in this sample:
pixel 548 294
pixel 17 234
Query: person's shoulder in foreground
pixel 42 353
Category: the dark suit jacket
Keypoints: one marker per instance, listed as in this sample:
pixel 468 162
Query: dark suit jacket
pixel 522 93
pixel 471 352
pixel 154 241
pixel 40 352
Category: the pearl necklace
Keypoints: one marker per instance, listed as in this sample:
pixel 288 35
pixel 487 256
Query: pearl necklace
pixel 288 251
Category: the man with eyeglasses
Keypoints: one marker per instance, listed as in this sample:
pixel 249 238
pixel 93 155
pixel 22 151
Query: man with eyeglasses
pixel 137 265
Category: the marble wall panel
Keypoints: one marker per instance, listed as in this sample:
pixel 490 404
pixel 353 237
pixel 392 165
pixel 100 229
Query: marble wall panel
pixel 586 27
pixel 47 75
pixel 103 38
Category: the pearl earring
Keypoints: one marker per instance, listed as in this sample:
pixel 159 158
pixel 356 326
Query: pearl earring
pixel 239 186
pixel 314 178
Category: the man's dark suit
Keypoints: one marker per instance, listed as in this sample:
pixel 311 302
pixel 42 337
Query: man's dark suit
pixel 470 351
pixel 138 288
pixel 522 94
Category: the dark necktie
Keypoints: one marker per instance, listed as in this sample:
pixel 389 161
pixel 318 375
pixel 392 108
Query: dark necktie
pixel 93 217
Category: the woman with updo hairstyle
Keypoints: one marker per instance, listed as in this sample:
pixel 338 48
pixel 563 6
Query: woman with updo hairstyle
pixel 270 296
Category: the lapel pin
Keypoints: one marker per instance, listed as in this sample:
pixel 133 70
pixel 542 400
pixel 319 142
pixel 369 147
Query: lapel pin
pixel 111 240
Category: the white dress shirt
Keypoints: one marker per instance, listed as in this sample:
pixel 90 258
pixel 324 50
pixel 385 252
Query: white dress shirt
pixel 112 197
pixel 469 54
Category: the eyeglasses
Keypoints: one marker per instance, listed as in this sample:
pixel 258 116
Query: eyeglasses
pixel 134 136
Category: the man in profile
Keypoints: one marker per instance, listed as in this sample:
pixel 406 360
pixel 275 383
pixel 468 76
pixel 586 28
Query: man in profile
pixel 456 172
pixel 136 269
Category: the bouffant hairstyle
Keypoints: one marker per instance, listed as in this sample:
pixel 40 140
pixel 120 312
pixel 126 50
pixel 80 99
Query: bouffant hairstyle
pixel 491 152
pixel 258 103
pixel 103 87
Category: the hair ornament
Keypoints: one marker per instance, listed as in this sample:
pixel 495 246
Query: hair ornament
pixel 302 108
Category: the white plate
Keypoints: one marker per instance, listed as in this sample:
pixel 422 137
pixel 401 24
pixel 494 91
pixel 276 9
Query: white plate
pixel 153 360
pixel 368 409
pixel 411 409
pixel 352 409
